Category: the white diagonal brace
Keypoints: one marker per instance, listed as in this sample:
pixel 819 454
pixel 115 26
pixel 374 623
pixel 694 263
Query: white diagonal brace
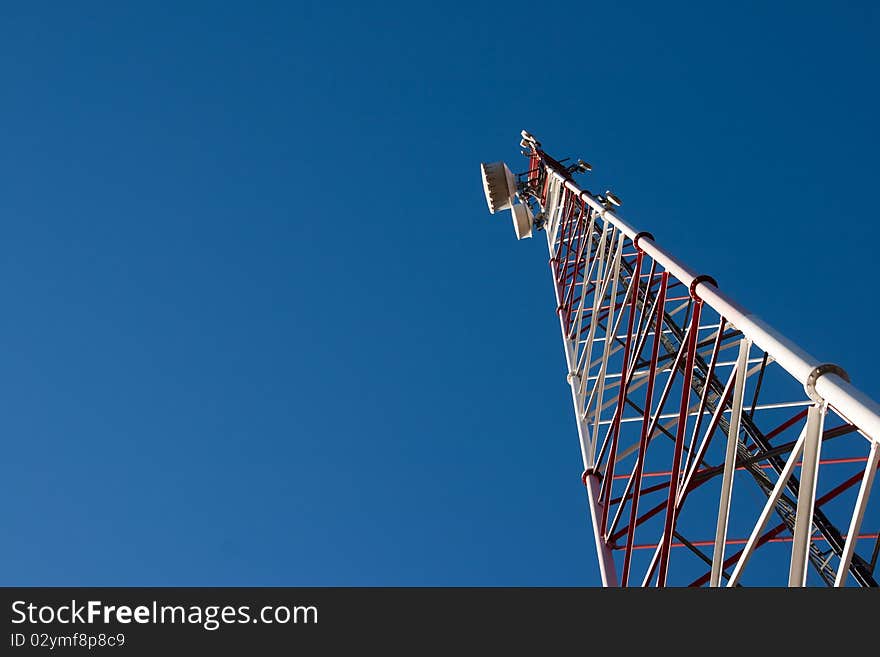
pixel 803 524
pixel 768 509
pixel 855 524
pixel 730 462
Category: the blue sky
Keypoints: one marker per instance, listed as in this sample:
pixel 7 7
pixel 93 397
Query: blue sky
pixel 259 328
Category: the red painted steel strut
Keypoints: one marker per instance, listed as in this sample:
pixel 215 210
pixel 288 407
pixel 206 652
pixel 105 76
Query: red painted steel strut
pixel 645 435
pixel 621 395
pixel 740 541
pixel 679 444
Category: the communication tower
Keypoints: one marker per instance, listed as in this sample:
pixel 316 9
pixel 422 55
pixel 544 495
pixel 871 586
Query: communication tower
pixel 715 451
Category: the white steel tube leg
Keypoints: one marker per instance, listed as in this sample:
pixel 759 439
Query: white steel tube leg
pixel 768 509
pixel 730 462
pixel 855 524
pixel 803 524
pixel 606 561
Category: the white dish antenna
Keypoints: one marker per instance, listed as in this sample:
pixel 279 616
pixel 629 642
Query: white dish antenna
pixel 499 186
pixel 522 220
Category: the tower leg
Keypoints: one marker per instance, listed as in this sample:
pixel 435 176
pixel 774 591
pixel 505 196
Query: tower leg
pixel 606 561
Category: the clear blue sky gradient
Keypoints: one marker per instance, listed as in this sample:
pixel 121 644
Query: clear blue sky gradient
pixel 258 326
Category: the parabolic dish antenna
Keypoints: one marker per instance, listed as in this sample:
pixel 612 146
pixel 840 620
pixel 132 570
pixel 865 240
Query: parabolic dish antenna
pixel 499 186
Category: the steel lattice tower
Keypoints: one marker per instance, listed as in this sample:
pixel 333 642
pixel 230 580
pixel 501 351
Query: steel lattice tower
pixel 715 451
